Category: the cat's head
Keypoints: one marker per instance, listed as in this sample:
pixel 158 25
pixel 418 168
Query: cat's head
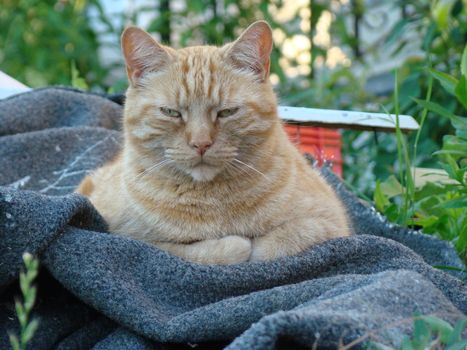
pixel 199 110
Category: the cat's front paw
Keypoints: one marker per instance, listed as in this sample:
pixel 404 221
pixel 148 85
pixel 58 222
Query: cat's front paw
pixel 263 249
pixel 236 249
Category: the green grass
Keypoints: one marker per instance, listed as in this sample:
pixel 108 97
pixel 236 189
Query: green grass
pixel 436 208
pixel 23 308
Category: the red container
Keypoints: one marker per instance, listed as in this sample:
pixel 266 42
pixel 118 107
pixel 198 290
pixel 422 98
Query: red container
pixel 323 144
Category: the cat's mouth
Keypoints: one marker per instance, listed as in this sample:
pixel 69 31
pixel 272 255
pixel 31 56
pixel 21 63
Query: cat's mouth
pixel 203 171
pixel 202 162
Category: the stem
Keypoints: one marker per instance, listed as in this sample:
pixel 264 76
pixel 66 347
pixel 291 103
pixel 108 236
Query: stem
pixel 164 10
pixel 422 122
pixel 399 142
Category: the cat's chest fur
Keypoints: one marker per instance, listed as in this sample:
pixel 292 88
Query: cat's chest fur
pixel 170 211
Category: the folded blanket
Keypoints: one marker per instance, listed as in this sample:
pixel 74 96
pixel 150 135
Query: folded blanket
pixel 102 291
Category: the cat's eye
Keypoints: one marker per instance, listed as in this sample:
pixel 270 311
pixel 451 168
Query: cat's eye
pixel 227 112
pixel 169 112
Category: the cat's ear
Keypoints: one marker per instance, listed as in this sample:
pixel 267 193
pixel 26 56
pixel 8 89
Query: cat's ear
pixel 252 49
pixel 142 53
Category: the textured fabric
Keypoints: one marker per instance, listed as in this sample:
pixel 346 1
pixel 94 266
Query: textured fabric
pixel 102 291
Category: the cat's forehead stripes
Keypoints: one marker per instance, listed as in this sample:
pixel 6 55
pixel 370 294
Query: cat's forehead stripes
pixel 201 76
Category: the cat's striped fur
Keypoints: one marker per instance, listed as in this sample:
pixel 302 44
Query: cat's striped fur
pixel 220 182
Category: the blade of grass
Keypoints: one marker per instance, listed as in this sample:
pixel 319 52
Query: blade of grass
pixel 400 158
pixel 419 131
pixel 403 157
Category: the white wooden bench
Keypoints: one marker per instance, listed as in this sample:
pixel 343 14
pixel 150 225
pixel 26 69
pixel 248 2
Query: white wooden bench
pixel 336 119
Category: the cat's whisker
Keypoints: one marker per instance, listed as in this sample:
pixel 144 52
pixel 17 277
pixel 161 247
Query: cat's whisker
pixel 185 159
pixel 153 168
pixel 215 159
pixel 236 169
pixel 170 152
pixel 242 169
pixel 250 167
pixel 246 171
pixel 220 156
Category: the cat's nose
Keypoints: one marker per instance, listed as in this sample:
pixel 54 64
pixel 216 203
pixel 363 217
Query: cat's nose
pixel 201 147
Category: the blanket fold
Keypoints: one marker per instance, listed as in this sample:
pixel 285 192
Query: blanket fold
pixel 103 291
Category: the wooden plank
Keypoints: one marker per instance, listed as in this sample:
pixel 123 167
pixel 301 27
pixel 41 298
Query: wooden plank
pixel 329 118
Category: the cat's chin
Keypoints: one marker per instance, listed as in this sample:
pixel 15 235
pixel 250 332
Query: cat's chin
pixel 203 173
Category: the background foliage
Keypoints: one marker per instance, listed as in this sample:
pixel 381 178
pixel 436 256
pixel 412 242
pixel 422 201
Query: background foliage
pixel 45 42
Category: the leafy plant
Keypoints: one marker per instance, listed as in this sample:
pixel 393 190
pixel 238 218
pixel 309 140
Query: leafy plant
pixel 40 38
pixel 436 33
pixel 428 332
pixel 431 332
pixel 23 309
pixel 77 80
pixel 437 207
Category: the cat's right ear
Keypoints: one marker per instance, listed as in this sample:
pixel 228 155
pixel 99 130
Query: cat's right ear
pixel 142 53
pixel 252 49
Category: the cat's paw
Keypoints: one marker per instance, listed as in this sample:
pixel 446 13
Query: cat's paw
pixel 236 249
pixel 263 249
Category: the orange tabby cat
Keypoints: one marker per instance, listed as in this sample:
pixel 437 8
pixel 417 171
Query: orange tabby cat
pixel 207 171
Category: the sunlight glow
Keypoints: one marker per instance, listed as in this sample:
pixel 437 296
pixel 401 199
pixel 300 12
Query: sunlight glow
pixel 298 47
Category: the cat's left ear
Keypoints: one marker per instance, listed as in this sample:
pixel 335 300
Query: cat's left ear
pixel 252 49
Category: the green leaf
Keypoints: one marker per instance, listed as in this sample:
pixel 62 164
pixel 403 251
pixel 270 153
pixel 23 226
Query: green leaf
pixel 30 299
pixel 14 342
pixel 441 13
pixel 457 332
pixel 410 88
pixel 429 36
pixel 32 271
pixel 23 283
pixel 451 168
pixel 379 198
pixel 464 62
pixel 461 91
pixel 421 335
pixel 392 212
pixel 450 152
pixel 458 345
pixel 28 332
pixel 460 124
pixel 454 145
pixel 455 203
pixel 21 314
pixel 442 327
pixel 426 221
pixel 391 187
pixel 396 32
pixel 76 80
pixel 406 344
pixel 451 268
pixel 435 108
pixel 447 82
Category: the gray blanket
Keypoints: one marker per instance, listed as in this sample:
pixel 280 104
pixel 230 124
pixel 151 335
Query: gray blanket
pixel 102 291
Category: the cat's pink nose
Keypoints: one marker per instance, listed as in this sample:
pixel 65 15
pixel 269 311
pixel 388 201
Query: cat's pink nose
pixel 201 147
